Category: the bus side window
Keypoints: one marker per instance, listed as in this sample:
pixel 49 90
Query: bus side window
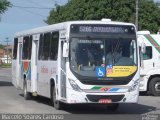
pixel 40 53
pixel 15 48
pixel 30 47
pixel 46 45
pixel 26 43
pixel 54 45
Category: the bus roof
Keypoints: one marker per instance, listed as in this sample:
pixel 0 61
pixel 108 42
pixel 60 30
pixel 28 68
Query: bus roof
pixel 64 25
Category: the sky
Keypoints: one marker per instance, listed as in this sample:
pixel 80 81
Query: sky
pixel 18 18
pixel 156 0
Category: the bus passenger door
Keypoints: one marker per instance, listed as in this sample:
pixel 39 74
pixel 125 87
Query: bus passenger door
pixel 34 63
pixel 19 65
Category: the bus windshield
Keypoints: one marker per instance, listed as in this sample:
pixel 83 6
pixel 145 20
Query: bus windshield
pixel 95 55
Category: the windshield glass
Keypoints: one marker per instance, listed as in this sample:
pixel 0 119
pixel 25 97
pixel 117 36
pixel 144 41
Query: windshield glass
pixel 107 56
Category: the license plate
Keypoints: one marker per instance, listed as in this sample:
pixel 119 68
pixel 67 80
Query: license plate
pixel 105 101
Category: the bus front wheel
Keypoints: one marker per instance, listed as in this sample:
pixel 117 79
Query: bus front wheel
pixel 57 104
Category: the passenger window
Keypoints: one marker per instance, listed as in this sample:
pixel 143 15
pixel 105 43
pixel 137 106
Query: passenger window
pixel 54 46
pixel 40 53
pixel 46 46
pixel 27 47
pixel 30 47
pixel 15 48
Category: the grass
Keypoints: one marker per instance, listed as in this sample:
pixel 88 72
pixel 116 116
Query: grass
pixel 6 65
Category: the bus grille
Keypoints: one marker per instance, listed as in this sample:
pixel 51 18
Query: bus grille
pixel 96 98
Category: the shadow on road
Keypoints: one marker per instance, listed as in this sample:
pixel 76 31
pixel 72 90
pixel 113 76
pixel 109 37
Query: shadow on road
pixel 40 99
pixel 99 109
pixel 145 94
pixel 5 83
pixel 102 109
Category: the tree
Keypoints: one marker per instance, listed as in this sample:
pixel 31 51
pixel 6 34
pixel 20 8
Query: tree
pixel 118 10
pixel 4 4
pixel 1 46
pixel 149 17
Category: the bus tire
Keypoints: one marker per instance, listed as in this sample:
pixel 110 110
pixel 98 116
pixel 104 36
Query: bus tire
pixel 154 86
pixel 57 104
pixel 113 106
pixel 26 94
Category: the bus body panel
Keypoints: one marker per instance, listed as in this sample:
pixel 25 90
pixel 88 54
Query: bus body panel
pixel 34 59
pixel 45 70
pixel 19 64
pixel 14 72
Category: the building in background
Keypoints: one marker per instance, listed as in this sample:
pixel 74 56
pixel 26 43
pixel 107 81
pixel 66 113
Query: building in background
pixel 8 50
pixel 2 52
pixel 5 54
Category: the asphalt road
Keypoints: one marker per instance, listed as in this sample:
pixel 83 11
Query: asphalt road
pixel 12 101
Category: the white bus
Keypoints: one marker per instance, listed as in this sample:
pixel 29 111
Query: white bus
pixel 78 62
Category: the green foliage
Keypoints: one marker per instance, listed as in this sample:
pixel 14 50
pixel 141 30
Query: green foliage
pixel 149 17
pixel 117 10
pixel 4 4
pixel 5 65
pixel 1 46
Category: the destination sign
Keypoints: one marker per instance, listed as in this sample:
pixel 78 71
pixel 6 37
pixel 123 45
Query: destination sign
pixel 101 29
pixel 93 28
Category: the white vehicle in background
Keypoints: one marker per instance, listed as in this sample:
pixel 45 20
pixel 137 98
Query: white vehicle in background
pixel 67 63
pixel 150 65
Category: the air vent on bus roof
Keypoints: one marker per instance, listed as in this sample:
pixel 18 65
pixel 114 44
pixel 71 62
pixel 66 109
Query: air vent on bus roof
pixel 106 20
pixel 143 32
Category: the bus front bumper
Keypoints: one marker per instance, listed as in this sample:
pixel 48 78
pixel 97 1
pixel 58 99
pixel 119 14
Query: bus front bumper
pixel 74 97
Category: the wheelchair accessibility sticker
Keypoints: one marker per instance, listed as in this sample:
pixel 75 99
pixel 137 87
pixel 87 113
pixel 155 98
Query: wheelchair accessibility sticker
pixel 100 72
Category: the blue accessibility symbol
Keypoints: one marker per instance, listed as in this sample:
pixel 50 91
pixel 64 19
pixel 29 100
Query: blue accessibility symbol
pixel 100 71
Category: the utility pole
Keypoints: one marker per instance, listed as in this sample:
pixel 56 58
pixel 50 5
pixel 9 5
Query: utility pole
pixel 136 20
pixel 7 41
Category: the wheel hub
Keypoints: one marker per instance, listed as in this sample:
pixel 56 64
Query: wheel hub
pixel 157 86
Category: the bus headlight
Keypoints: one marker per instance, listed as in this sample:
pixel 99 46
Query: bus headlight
pixel 74 85
pixel 134 86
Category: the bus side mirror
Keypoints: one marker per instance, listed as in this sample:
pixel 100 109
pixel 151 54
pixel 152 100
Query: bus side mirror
pixel 143 48
pixel 65 49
